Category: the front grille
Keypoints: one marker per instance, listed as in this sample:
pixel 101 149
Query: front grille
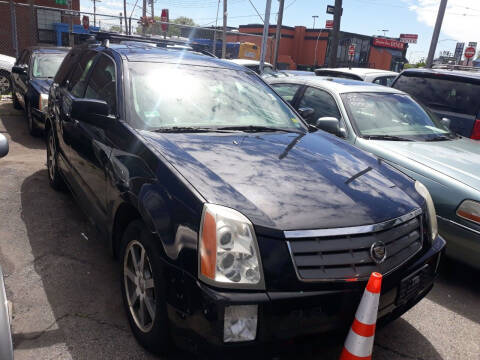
pixel 348 257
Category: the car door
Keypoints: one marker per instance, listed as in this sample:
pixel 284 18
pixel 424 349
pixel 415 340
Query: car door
pixel 91 148
pixel 287 91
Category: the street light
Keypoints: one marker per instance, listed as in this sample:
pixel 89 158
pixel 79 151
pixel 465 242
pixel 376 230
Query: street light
pixel 384 32
pixel 314 18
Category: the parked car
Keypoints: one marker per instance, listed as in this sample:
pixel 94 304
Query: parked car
pixel 254 65
pixel 6 63
pixel 391 125
pixel 234 225
pixel 376 76
pixel 298 72
pixel 6 346
pixel 31 79
pixel 453 94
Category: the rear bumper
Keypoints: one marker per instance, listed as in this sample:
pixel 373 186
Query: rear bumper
pixel 287 315
pixel 463 242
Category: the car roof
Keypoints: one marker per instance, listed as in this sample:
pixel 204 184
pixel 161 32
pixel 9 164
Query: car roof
pixel 445 72
pixel 360 71
pixel 246 62
pixel 49 49
pixel 147 53
pixel 335 85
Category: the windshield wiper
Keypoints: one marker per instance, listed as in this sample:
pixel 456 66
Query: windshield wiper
pixel 258 128
pixel 186 129
pixel 386 137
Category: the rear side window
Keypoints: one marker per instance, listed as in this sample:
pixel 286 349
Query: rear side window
pixel 384 80
pixel 101 85
pixel 440 93
pixel 286 91
pixel 78 78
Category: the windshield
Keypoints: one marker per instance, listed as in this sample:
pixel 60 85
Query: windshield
pixel 172 95
pixel 391 115
pixel 46 65
pixel 454 95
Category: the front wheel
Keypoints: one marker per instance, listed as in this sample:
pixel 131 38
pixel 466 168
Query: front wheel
pixel 54 177
pixel 143 289
pixel 5 84
pixel 32 128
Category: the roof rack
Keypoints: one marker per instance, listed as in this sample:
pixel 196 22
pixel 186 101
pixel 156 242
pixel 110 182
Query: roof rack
pixel 456 67
pixel 108 37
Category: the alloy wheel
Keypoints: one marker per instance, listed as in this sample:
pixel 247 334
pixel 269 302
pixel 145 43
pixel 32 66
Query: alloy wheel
pixel 4 84
pixel 139 286
pixel 51 160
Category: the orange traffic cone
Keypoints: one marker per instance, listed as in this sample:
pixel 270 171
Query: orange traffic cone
pixel 359 342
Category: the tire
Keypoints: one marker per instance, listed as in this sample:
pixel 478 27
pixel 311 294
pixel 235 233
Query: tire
pixel 54 177
pixel 5 83
pixel 15 102
pixel 32 128
pixel 145 287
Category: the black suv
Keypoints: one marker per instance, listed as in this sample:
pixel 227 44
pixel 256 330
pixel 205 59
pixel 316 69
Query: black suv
pixel 31 77
pixel 234 222
pixel 451 94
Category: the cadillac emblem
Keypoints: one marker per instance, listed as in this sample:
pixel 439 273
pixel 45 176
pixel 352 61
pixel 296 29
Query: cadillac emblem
pixel 378 252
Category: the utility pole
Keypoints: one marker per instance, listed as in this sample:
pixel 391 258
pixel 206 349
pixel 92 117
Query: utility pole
pixel 266 26
pixel 125 13
pixel 94 13
pixel 71 40
pixel 153 9
pixel 315 17
pixel 278 33
pixel 121 24
pixel 215 32
pixel 144 14
pixel 224 35
pixel 436 33
pixel 337 15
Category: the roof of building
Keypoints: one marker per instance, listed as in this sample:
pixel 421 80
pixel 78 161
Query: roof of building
pixel 336 85
pixel 362 72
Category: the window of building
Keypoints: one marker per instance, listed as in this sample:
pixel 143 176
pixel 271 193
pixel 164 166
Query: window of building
pixel 45 24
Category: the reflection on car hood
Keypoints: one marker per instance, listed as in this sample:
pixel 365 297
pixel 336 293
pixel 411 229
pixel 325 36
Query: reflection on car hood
pixel 42 85
pixel 287 181
pixel 458 158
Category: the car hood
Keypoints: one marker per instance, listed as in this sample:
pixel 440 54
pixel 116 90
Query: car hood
pixel 457 158
pixel 42 85
pixel 288 181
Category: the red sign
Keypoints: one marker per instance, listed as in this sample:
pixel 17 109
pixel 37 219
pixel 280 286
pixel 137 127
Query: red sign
pixel 164 18
pixel 469 52
pixel 329 24
pixel 388 43
pixel 85 22
pixel 409 38
pixel 351 50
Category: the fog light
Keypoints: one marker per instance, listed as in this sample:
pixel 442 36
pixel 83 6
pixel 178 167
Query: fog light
pixel 240 323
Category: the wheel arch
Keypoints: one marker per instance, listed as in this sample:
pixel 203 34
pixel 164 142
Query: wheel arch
pixel 124 215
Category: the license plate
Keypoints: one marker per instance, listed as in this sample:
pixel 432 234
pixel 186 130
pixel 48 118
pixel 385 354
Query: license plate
pixel 410 286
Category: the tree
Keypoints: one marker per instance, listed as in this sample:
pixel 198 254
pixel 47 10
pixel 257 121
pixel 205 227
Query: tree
pixel 115 28
pixel 156 28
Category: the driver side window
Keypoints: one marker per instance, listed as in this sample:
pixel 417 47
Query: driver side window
pixel 321 102
pixel 102 83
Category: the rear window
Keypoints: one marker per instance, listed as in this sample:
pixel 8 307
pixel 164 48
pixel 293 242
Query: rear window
pixel 441 93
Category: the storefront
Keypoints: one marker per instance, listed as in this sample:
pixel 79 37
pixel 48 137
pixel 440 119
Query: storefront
pixel 388 54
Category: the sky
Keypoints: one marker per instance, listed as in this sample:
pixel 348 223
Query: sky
pixel 366 17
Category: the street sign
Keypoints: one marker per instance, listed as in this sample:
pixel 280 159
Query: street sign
pixel 470 52
pixel 164 18
pixel 409 38
pixel 85 22
pixel 472 44
pixel 351 50
pixel 331 10
pixel 61 2
pixel 329 24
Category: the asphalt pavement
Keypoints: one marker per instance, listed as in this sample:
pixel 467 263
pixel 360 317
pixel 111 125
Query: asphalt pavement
pixel 65 289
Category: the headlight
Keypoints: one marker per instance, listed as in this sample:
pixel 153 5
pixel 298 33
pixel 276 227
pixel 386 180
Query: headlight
pixel 43 102
pixel 228 250
pixel 432 215
pixel 469 210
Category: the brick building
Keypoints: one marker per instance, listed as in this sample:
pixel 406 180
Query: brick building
pixel 34 25
pixel 303 48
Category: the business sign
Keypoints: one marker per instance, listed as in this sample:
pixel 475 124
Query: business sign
pixel 330 9
pixel 85 22
pixel 459 51
pixel 329 24
pixel 472 44
pixel 470 52
pixel 164 18
pixel 409 38
pixel 388 43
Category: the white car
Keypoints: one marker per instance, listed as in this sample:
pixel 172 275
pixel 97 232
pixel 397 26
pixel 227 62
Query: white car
pixel 380 77
pixel 254 65
pixel 6 63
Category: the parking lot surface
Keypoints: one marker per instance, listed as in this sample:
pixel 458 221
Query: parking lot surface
pixel 65 289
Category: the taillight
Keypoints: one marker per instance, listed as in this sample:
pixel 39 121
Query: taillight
pixel 476 130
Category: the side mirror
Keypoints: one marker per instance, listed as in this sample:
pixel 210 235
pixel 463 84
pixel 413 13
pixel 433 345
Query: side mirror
pixel 20 69
pixel 3 146
pixel 91 111
pixel 305 112
pixel 331 125
pixel 446 122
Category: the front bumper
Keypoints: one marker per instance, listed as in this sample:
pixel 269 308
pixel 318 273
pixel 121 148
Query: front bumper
pixel 39 118
pixel 287 315
pixel 463 242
